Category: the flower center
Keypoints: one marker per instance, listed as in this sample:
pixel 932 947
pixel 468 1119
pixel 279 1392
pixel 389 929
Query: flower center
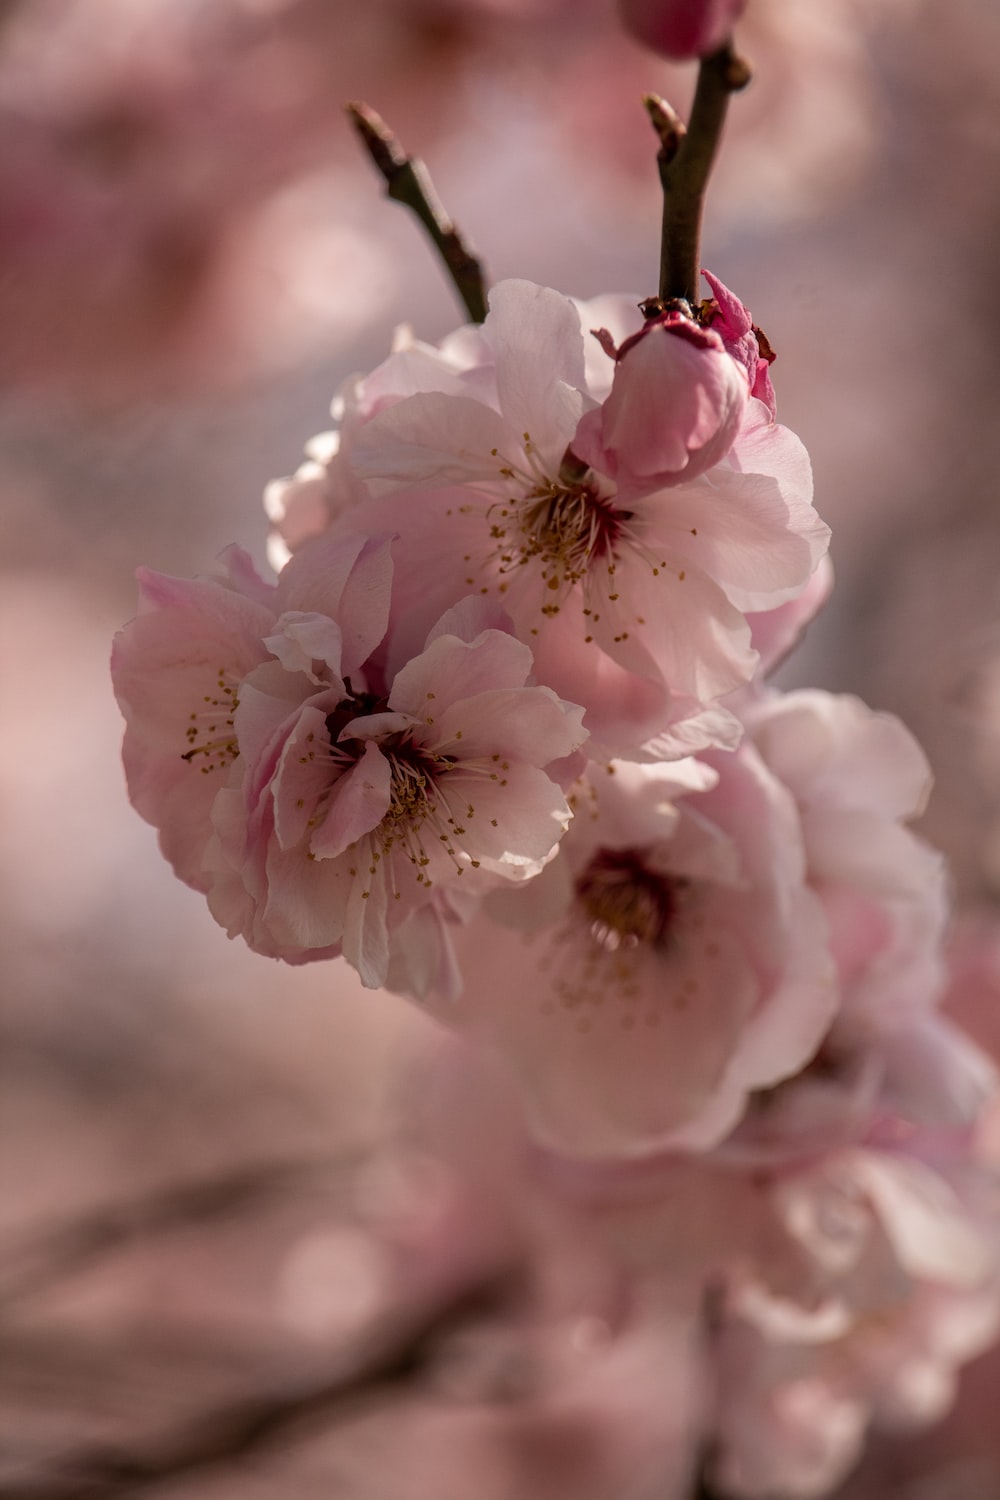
pixel 626 903
pixel 354 706
pixel 413 772
pixel 565 526
pixel 420 820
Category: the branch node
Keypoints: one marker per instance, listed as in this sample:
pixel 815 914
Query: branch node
pixel 669 127
pixel 738 71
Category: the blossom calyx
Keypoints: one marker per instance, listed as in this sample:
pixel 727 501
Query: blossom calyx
pixel 726 315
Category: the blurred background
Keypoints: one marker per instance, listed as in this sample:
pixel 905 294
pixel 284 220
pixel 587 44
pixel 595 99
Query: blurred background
pixel 233 1234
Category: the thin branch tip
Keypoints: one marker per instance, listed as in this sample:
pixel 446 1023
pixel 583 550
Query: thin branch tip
pixel 407 181
pixel 376 137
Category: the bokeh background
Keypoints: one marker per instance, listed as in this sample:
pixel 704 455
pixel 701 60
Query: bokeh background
pixel 212 1194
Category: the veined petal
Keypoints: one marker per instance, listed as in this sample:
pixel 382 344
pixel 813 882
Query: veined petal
pixel 450 670
pixel 738 529
pixel 305 902
pixel 358 803
pixel 470 617
pixel 165 793
pixel 537 343
pixel 431 439
pixel 423 956
pixel 519 723
pixel 680 620
pixel 168 661
pixel 348 577
pixel 271 701
pixel 409 372
pixel 303 774
pixel 776 631
pixel 366 936
pixel 623 707
pixel 516 821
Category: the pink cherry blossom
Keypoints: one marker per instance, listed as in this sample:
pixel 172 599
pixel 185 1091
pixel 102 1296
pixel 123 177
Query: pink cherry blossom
pixel 681 29
pixel 324 485
pixel 633 601
pixel 924 1081
pixel 669 961
pixel 896 1287
pixel 302 505
pixel 843 1291
pixel 316 803
pixel 561 1376
pixel 176 670
pixel 857 776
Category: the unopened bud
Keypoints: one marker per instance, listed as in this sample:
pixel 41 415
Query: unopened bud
pixel 681 29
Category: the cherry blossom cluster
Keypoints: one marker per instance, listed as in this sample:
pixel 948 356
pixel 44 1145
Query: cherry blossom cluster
pixel 500 735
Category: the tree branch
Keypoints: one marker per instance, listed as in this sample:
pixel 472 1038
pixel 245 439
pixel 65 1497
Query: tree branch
pixel 50 1254
pixel 407 182
pixel 396 1351
pixel 685 161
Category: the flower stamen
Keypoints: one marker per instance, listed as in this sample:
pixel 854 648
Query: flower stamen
pixel 210 733
pixel 627 904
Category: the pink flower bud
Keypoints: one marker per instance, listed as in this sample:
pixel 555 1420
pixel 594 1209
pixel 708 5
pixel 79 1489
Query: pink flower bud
pixel 676 404
pixel 681 29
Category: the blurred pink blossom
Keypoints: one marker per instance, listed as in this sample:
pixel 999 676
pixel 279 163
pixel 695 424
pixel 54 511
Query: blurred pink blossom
pixel 668 962
pixel 857 776
pixel 897 1288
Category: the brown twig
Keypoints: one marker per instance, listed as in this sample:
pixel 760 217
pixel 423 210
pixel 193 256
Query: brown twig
pixel 55 1252
pixel 396 1351
pixel 703 1490
pixel 685 161
pixel 407 182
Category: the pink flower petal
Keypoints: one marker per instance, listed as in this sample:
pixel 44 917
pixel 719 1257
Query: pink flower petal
pixel 539 396
pixel 301 778
pixel 432 439
pixel 511 723
pixel 358 803
pixel 451 670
